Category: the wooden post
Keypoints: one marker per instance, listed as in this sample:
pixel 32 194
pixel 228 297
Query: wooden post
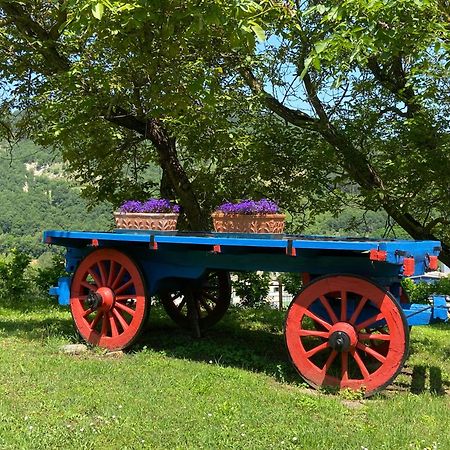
pixel 280 294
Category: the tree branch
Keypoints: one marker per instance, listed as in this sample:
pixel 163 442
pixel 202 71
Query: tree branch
pixel 393 78
pixel 293 116
pixel 32 31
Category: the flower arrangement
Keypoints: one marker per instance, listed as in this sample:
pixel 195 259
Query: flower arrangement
pixel 153 205
pixel 249 216
pixel 153 214
pixel 262 206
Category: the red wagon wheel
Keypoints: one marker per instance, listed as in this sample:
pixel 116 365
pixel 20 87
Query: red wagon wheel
pixel 107 300
pixel 212 297
pixel 334 328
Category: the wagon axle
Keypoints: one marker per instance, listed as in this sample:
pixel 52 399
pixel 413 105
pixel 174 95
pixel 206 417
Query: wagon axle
pixel 339 341
pixel 94 300
pixel 343 337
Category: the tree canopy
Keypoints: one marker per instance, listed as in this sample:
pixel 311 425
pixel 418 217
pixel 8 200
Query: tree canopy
pixel 295 100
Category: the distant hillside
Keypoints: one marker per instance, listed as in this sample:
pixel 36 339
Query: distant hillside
pixel 35 195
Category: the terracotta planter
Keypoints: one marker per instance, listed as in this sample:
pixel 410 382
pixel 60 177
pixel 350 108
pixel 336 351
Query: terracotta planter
pixel 146 221
pixel 248 223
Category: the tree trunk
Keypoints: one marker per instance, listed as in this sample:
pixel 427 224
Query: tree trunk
pixel 175 175
pixel 175 178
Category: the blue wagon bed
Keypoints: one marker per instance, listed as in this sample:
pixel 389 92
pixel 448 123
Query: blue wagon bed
pixel 348 327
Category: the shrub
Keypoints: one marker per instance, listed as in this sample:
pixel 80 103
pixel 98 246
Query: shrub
pixel 45 277
pixel 13 277
pixel 292 282
pixel 419 292
pixel 252 288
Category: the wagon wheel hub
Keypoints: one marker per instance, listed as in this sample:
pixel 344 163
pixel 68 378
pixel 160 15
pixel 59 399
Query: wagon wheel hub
pixel 104 299
pixel 343 337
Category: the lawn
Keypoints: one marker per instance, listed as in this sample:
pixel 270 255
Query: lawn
pixel 232 389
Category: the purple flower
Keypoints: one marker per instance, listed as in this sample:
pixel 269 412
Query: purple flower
pixel 157 205
pixel 263 206
pixel 130 206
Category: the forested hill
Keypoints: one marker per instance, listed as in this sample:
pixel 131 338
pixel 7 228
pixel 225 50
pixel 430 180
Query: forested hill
pixel 35 195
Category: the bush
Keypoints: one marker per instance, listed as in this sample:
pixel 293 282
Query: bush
pixel 419 293
pixel 252 288
pixel 47 276
pixel 292 282
pixel 13 274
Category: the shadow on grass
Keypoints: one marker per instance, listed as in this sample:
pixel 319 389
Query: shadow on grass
pixel 230 343
pixel 435 383
pixel 250 340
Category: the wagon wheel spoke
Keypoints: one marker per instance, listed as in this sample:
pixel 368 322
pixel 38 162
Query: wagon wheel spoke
pixel 118 278
pixel 205 305
pixel 125 308
pixel 374 336
pixel 209 296
pixel 181 305
pixel 123 323
pixel 362 367
pixel 316 350
pixel 95 277
pixel 344 367
pixel 212 296
pixel 87 312
pixel 343 306
pixel 124 286
pixel 113 325
pixel 124 297
pixel 87 285
pixel 370 351
pixel 328 309
pixel 373 319
pixel 358 310
pixel 176 296
pixel 111 274
pixel 317 319
pixel 105 325
pixel 329 362
pixel 102 271
pixel 96 319
pixel 313 333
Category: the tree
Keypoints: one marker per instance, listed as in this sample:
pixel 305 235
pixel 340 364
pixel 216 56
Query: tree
pixel 359 88
pixel 375 75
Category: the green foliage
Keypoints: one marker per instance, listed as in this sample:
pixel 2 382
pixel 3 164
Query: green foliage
pixel 420 292
pixel 292 282
pixel 13 278
pixel 252 287
pixel 46 277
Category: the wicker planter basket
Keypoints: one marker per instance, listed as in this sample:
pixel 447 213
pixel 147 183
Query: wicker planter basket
pixel 248 223
pixel 146 221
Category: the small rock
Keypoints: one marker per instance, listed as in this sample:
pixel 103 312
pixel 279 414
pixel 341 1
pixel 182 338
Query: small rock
pixel 74 349
pixel 115 354
pixel 353 404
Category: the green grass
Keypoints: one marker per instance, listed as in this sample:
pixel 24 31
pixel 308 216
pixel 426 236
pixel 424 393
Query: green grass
pixel 232 389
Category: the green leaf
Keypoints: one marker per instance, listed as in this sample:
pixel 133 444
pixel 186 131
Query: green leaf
pixel 259 32
pixel 97 11
pixel 320 46
pixel 316 63
pixel 308 62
